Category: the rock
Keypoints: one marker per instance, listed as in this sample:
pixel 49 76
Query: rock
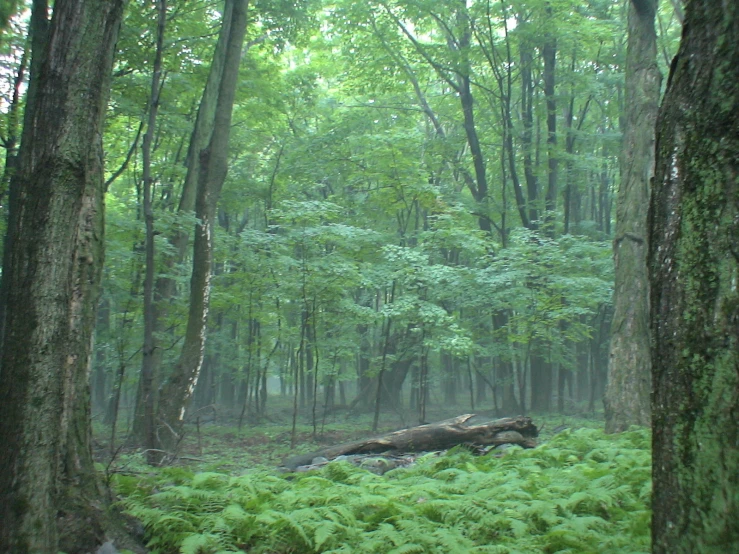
pixel 107 548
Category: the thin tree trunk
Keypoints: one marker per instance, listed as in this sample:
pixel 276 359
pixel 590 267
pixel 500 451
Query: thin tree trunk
pixel 38 32
pixel 505 373
pixel 541 379
pixel 147 364
pixel 507 111
pixel 549 54
pixel 10 140
pixel 381 374
pixel 527 115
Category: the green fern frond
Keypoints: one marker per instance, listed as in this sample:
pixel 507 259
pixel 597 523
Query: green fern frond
pixel 209 480
pixel 520 528
pixel 339 472
pixel 452 541
pixel 582 492
pixel 565 540
pixel 324 531
pixel 472 512
pixel 409 549
pixel 200 543
pixel 583 524
pixel 490 549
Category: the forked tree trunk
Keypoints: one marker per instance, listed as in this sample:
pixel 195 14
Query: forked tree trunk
pixel 164 287
pixel 49 495
pixel 694 264
pixel 627 394
pixel 176 391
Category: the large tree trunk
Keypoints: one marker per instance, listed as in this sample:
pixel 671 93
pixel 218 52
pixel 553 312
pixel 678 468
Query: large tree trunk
pixel 694 263
pixel 627 394
pixel 49 494
pixel 177 390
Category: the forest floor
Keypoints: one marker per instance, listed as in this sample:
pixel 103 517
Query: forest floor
pixel 579 491
pixel 215 442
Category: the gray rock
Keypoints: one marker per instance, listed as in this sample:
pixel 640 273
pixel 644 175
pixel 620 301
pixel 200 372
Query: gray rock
pixel 107 548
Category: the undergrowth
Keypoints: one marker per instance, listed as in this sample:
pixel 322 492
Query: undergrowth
pixel 581 492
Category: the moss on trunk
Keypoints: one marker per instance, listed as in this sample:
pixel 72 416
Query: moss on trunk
pixel 49 494
pixel 694 267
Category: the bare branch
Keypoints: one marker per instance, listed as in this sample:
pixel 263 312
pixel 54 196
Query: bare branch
pixel 124 165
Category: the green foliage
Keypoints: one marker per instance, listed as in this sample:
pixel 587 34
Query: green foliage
pixel 582 491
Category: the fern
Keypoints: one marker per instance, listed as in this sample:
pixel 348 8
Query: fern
pixel 198 543
pixel 408 549
pixel 581 492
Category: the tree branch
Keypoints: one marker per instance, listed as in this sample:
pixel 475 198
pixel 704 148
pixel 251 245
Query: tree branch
pixel 124 165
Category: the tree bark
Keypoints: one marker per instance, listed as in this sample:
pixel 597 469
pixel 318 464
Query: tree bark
pixel 549 54
pixel 433 436
pixel 694 263
pixel 146 385
pixel 49 494
pixel 542 379
pixel 164 287
pixel 627 394
pixel 504 375
pixel 527 116
pixel 176 391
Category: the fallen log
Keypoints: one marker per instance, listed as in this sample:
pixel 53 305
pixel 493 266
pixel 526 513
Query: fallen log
pixel 442 435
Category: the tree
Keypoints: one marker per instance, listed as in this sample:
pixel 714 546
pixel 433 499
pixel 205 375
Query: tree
pixel 49 494
pixel 177 390
pixel 147 360
pixel 627 393
pixel 361 118
pixel 693 264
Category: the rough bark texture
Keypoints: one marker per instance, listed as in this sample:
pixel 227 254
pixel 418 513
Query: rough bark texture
pixel 694 266
pixel 164 287
pixel 434 436
pixel 49 495
pixel 177 390
pixel 627 394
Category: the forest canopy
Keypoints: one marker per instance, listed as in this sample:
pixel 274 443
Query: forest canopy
pixel 398 209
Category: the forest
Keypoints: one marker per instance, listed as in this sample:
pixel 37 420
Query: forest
pixel 392 276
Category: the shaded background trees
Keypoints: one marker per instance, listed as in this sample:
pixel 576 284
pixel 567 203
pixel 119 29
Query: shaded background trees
pixel 418 190
pixel 393 179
